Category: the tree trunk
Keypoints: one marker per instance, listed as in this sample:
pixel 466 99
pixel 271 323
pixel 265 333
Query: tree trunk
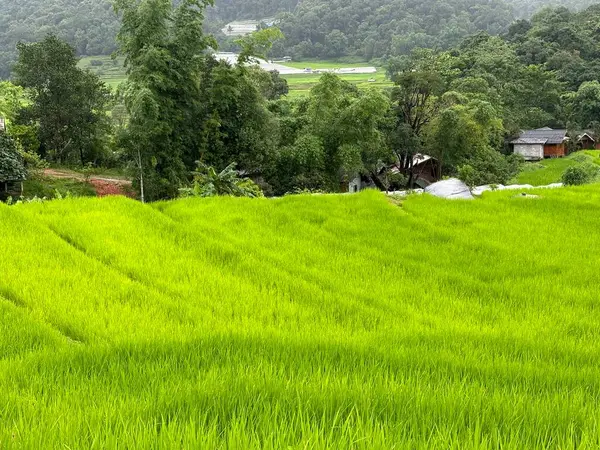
pixel 142 198
pixel 378 182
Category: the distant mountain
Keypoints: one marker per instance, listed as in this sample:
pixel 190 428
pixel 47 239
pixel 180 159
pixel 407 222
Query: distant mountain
pixel 315 28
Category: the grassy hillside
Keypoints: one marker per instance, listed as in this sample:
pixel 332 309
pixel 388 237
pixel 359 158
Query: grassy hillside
pixel 304 322
pixel 110 70
pixel 300 85
pixel 551 170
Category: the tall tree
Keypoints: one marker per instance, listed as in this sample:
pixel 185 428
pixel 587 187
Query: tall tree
pixel 67 103
pixel 418 84
pixel 163 48
pixel 337 133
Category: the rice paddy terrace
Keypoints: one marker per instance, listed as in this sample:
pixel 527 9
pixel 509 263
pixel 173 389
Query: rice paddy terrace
pixel 305 322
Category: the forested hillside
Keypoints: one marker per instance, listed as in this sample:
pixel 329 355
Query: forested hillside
pixel 382 28
pixel 315 28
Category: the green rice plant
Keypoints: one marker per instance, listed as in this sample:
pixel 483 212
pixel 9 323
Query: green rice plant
pixel 551 170
pixel 311 321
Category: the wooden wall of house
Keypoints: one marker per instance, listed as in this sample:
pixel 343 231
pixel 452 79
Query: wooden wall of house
pixel 554 150
pixel 586 144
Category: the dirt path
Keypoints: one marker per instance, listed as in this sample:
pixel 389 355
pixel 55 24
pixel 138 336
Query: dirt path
pixel 103 185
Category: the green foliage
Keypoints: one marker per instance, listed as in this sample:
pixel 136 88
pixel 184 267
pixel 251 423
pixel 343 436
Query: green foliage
pixel 466 139
pixel 551 170
pixel 210 183
pixel 490 167
pixel 585 104
pixel 12 167
pixel 468 175
pixel 238 125
pixel 258 44
pixel 68 105
pixel 581 174
pixel 300 166
pixel 12 99
pixel 270 84
pixel 333 28
pixel 162 46
pixel 335 133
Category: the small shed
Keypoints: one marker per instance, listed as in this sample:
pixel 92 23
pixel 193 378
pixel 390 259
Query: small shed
pixel 425 170
pixel 535 145
pixel 586 141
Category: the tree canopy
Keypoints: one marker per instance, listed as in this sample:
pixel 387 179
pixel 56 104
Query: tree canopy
pixel 315 28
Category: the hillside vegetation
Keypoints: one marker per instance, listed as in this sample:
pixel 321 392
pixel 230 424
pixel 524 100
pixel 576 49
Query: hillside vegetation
pixel 304 322
pixel 323 28
pixel 551 170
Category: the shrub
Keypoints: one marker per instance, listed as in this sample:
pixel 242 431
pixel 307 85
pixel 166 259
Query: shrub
pixel 210 183
pixel 581 157
pixel 489 166
pixel 468 175
pixel 12 167
pixel 581 174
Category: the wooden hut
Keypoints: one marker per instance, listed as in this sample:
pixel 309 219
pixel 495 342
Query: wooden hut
pixel 535 145
pixel 587 141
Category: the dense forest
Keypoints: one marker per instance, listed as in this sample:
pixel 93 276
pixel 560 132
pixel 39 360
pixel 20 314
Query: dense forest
pixel 184 121
pixel 181 122
pixel 314 28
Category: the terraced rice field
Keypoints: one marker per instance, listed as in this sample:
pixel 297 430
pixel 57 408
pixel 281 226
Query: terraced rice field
pixel 551 170
pixel 113 74
pixel 304 322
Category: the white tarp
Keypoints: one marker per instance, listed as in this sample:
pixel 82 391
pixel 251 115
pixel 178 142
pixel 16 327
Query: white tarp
pixel 451 189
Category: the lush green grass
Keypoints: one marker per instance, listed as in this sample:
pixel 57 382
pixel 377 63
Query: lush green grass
pixel 325 64
pixel 304 322
pixel 301 84
pixel 40 186
pixel 110 70
pixel 550 170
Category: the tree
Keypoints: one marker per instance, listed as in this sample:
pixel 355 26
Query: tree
pixel 12 167
pixel 257 44
pixel 465 138
pixel 236 122
pixel 68 105
pixel 300 166
pixel 585 104
pixel 271 85
pixel 336 133
pixel 163 48
pixel 415 97
pixel 12 99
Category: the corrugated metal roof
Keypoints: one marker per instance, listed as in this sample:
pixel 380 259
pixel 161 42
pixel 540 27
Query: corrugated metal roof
pixel 420 158
pixel 549 135
pixel 529 141
pixel 590 137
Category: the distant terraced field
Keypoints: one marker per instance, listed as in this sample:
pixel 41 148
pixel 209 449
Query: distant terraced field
pixel 111 71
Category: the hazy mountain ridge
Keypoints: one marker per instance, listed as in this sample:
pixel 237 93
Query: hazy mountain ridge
pixel 315 28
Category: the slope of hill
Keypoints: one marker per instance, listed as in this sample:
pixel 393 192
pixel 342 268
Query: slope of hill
pixel 316 28
pixel 304 322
